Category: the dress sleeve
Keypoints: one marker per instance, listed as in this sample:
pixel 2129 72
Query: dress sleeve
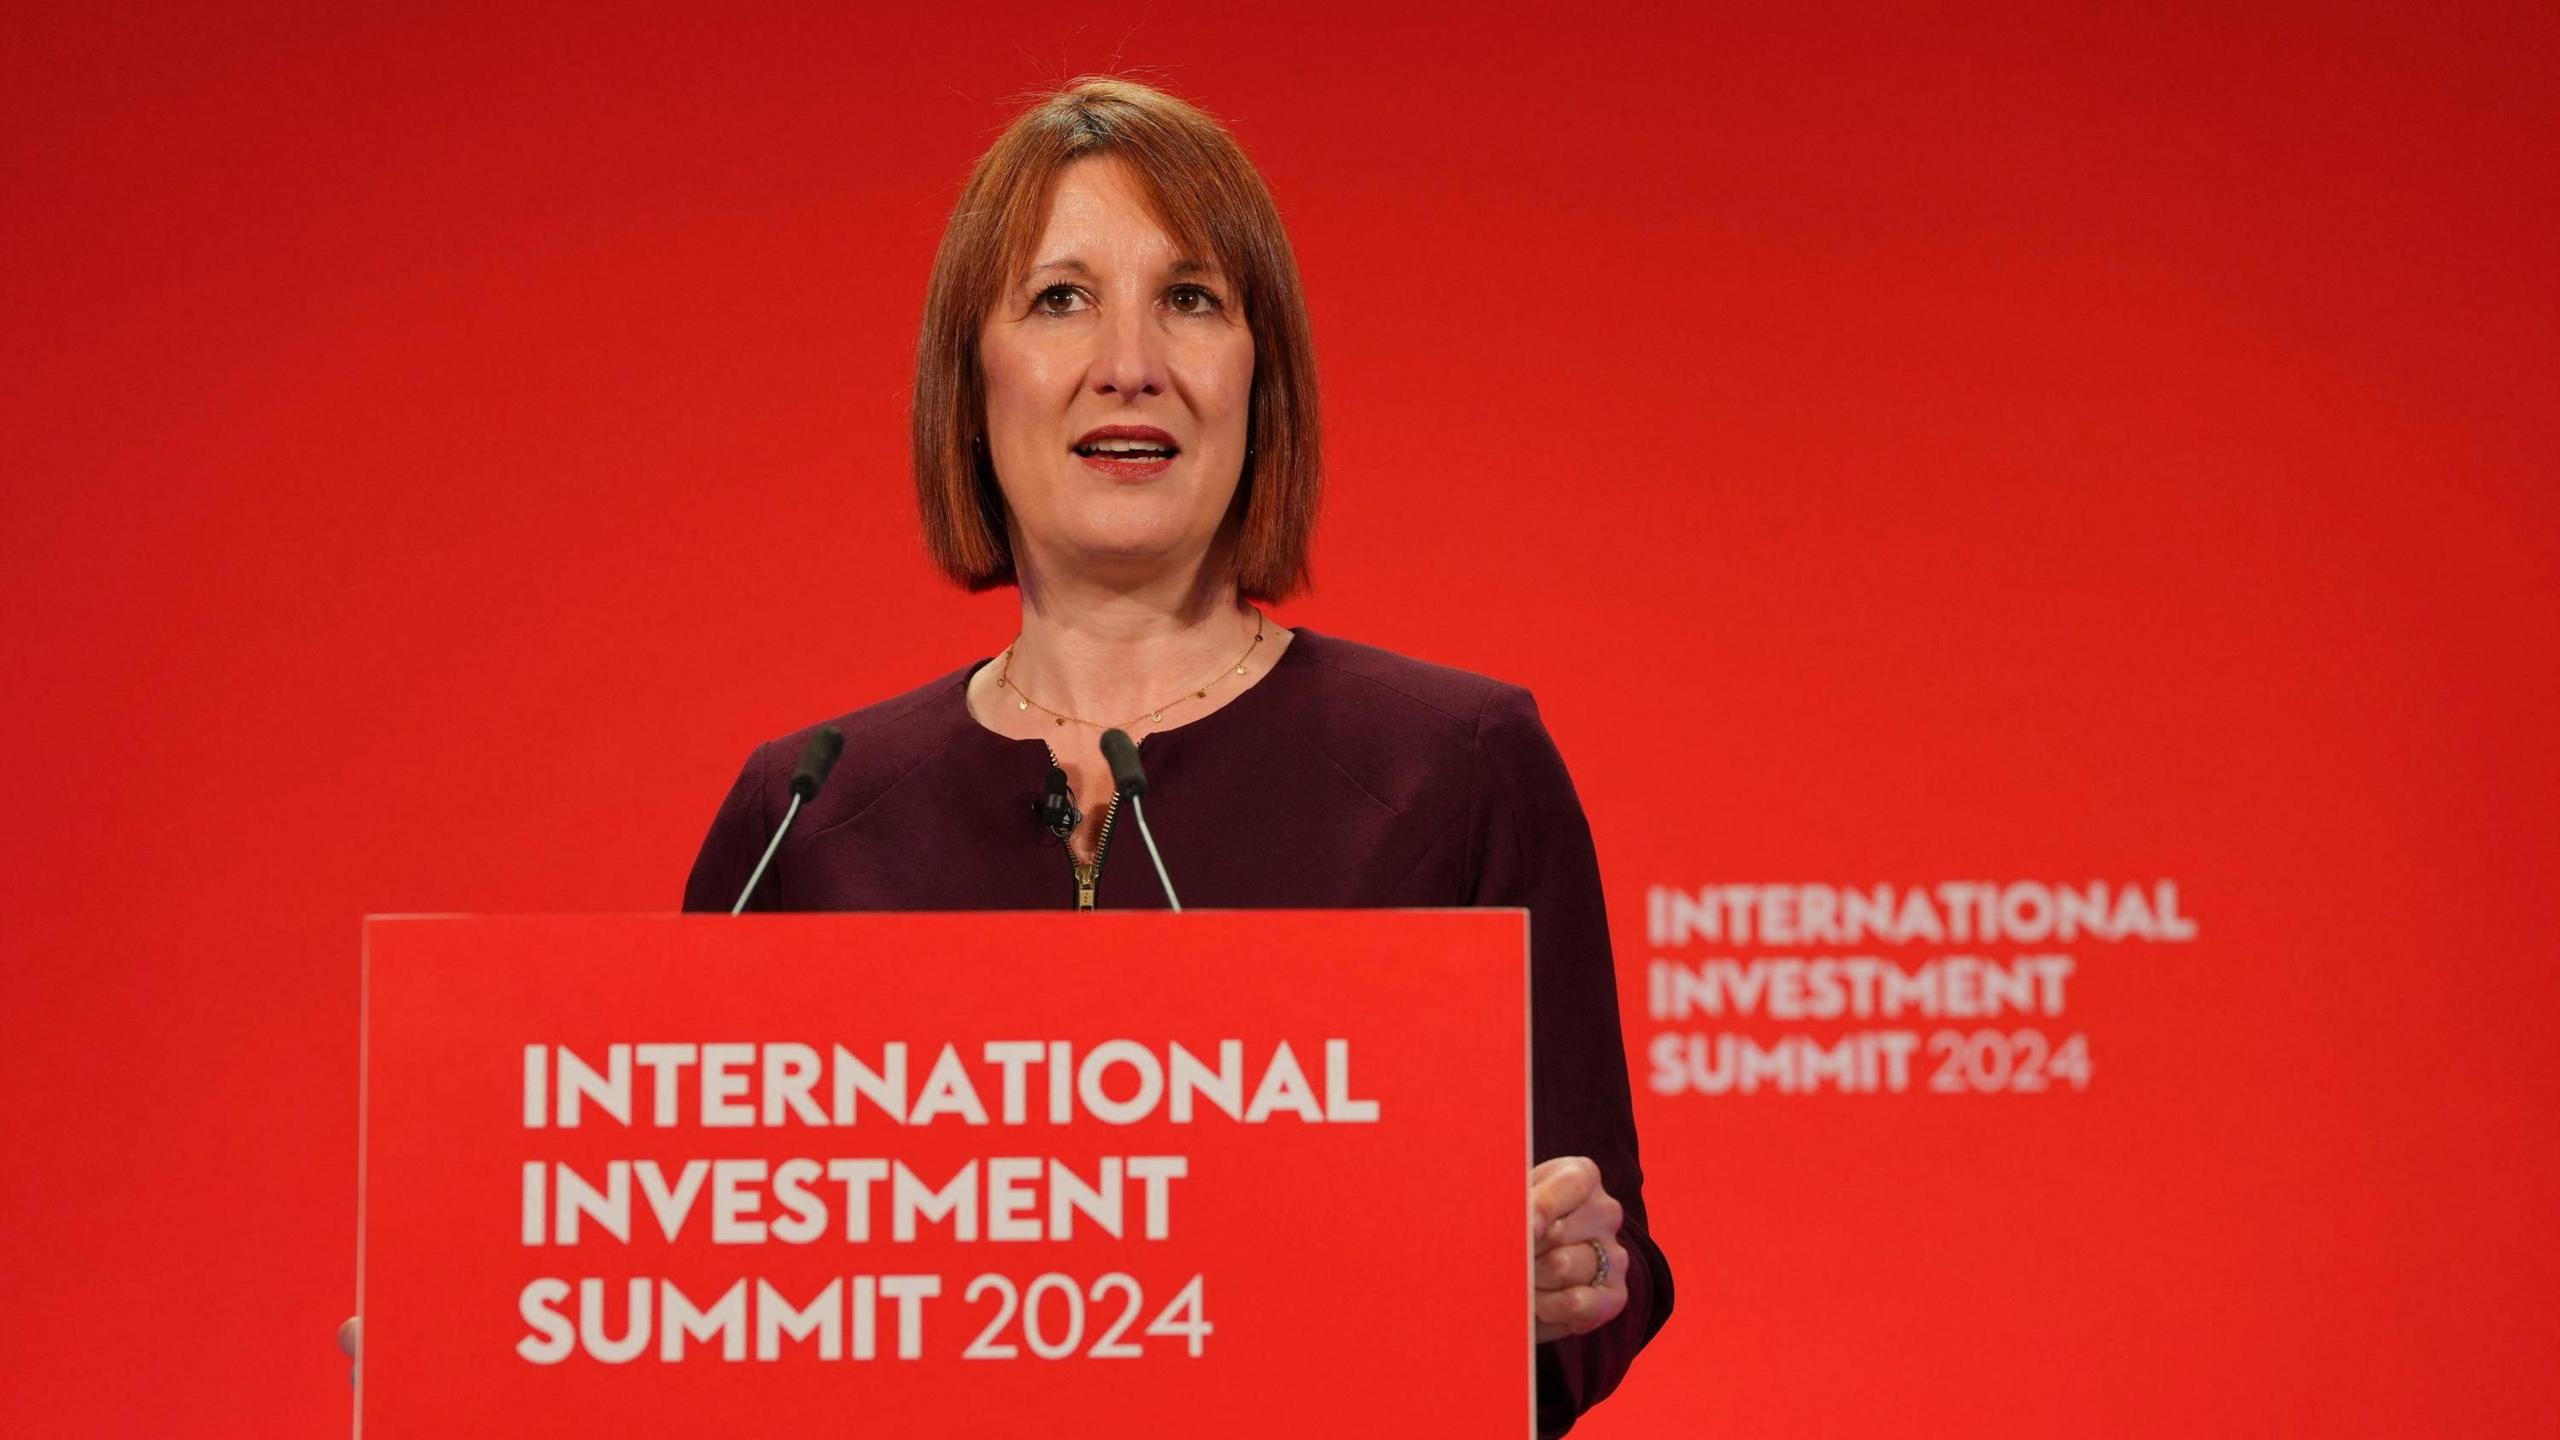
pixel 1536 852
pixel 737 840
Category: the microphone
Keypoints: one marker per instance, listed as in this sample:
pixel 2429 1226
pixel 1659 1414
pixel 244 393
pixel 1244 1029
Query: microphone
pixel 816 759
pixel 1056 808
pixel 1130 779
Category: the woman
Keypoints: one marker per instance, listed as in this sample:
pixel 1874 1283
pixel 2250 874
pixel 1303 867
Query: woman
pixel 1115 412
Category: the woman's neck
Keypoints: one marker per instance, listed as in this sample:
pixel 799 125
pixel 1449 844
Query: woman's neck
pixel 1107 655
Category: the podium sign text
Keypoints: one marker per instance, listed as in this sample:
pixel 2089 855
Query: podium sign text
pixel 1242 1173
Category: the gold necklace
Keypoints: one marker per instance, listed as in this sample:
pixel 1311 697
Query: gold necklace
pixel 1154 716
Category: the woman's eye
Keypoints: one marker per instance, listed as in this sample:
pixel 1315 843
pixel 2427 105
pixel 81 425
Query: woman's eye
pixel 1064 299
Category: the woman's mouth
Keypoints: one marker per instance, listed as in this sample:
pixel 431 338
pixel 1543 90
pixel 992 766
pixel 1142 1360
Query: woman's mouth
pixel 1127 452
pixel 1129 466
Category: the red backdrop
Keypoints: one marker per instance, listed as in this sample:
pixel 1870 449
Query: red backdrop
pixel 1899 444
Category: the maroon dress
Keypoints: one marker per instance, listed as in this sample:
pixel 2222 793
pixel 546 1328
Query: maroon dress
pixel 1348 777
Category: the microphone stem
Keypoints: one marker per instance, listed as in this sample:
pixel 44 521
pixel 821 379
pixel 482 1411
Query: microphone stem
pixel 776 843
pixel 1139 805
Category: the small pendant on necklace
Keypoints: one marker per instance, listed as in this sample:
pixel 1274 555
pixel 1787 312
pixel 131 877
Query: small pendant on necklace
pixel 1199 694
pixel 1021 704
pixel 1157 718
pixel 1239 669
pixel 1062 719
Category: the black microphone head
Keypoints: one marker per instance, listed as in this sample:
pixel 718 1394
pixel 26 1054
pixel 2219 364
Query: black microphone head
pixel 1127 775
pixel 816 759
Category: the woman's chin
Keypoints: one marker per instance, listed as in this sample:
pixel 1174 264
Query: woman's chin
pixel 1123 557
pixel 1139 562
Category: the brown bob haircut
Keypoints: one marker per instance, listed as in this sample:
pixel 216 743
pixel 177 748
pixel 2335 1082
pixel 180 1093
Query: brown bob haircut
pixel 1206 195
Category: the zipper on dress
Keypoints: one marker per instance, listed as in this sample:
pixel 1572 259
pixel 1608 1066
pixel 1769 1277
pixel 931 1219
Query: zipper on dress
pixel 1088 876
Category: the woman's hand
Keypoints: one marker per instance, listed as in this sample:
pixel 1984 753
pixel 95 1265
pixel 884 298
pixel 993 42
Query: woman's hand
pixel 1573 1233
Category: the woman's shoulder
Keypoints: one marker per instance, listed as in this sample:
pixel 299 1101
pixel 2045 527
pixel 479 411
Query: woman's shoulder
pixel 1388 693
pixel 1423 737
pixel 883 740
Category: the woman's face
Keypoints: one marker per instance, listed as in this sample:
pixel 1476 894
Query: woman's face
pixel 1119 374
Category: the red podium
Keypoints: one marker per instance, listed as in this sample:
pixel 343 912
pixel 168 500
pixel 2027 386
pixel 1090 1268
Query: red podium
pixel 1240 1174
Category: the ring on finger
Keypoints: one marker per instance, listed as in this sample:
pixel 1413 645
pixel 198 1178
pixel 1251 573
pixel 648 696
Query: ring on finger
pixel 1600 1277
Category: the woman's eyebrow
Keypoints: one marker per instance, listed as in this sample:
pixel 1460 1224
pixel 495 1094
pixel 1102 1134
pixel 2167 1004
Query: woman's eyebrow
pixel 1075 266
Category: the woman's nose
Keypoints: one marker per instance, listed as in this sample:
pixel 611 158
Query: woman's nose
pixel 1132 361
